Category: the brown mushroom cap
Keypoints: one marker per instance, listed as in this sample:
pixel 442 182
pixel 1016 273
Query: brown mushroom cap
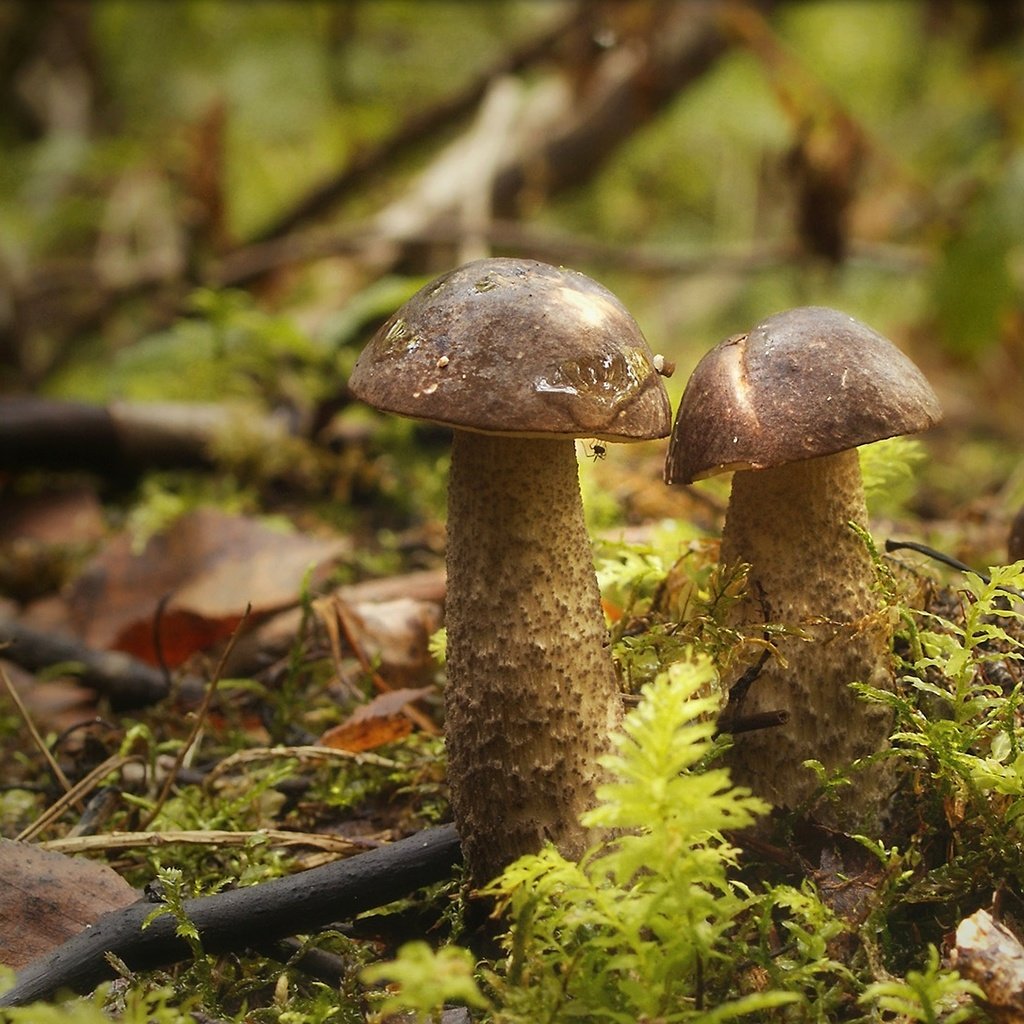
pixel 803 383
pixel 516 346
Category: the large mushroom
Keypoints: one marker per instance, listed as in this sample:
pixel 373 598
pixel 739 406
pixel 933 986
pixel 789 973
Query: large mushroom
pixel 785 407
pixel 520 358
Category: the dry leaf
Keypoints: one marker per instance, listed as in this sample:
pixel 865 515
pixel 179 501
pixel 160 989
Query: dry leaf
pixel 47 897
pixel 397 633
pixel 70 515
pixel 207 566
pixel 55 704
pixel 374 724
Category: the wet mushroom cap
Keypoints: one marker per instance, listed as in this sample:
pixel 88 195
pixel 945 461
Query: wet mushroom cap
pixel 516 346
pixel 803 383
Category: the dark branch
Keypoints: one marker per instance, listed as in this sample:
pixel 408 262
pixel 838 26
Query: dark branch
pixel 125 681
pixel 122 437
pixel 416 129
pixel 232 920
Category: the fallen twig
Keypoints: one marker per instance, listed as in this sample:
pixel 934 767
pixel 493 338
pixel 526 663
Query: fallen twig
pixel 122 437
pixel 206 837
pixel 80 789
pixel 41 746
pixel 230 920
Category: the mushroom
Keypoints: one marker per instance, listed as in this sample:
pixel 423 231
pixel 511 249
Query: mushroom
pixel 520 358
pixel 785 407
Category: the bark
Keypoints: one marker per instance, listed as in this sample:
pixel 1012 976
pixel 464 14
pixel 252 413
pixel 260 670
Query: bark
pixel 532 694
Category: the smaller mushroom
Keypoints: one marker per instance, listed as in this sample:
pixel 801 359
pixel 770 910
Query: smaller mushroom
pixel 520 358
pixel 785 407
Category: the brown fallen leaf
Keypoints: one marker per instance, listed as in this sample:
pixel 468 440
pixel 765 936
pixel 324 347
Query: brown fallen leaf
pixel 397 633
pixel 205 568
pixel 67 515
pixel 47 897
pixel 372 725
pixel 41 535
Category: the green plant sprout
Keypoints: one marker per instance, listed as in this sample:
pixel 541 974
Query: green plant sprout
pixel 128 1005
pixel 888 469
pixel 929 996
pixel 669 599
pixel 639 928
pixel 665 922
pixel 175 891
pixel 422 973
pixel 957 734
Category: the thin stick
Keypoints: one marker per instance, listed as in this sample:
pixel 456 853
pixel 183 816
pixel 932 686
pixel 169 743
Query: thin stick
pixel 34 733
pixel 751 723
pixel 158 640
pixel 322 607
pixel 231 920
pixel 938 556
pixel 953 563
pixel 76 793
pixel 301 754
pixel 207 837
pixel 200 718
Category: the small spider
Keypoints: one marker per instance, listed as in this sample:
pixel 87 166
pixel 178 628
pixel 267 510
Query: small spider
pixel 596 451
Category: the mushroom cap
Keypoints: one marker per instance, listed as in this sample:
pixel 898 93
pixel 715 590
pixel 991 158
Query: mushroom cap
pixel 804 383
pixel 513 346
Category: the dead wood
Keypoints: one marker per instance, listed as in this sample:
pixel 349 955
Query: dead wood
pixel 125 681
pixel 630 87
pixel 277 909
pixel 123 437
pixel 418 128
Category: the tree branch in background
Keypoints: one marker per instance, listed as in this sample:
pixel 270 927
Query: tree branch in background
pixel 633 83
pixel 573 121
pixel 418 128
pixel 554 246
pixel 123 437
pixel 558 138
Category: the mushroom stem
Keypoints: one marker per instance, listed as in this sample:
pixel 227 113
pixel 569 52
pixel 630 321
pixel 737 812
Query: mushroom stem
pixel 810 571
pixel 532 694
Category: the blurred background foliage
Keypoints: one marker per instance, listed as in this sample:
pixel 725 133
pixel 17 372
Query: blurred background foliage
pixel 212 200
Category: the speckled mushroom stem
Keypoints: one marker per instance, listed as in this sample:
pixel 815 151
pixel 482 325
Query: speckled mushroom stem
pixel 791 525
pixel 532 694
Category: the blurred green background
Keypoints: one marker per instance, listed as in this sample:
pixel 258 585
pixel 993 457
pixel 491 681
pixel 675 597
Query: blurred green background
pixel 181 177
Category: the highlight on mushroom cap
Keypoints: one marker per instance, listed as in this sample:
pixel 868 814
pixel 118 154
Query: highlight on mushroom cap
pixel 516 346
pixel 803 383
